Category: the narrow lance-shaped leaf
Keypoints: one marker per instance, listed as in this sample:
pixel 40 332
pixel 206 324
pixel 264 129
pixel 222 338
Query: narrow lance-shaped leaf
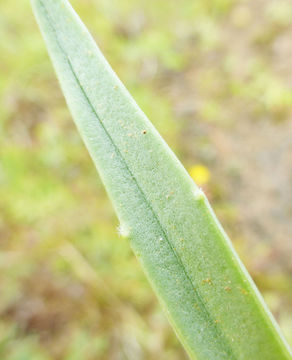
pixel 208 296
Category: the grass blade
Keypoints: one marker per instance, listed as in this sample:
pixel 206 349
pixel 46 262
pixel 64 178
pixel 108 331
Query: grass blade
pixel 212 303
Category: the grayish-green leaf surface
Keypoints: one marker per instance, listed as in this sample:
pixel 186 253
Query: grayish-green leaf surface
pixel 208 296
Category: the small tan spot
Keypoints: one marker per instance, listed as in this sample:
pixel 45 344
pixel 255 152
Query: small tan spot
pixel 217 321
pixel 144 132
pixel 243 291
pixel 207 281
pixel 227 288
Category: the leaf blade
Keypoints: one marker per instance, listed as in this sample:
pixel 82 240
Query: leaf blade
pixel 182 247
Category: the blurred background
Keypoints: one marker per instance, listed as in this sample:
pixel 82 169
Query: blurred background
pixel 215 78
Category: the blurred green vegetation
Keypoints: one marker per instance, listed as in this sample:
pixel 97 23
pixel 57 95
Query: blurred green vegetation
pixel 215 78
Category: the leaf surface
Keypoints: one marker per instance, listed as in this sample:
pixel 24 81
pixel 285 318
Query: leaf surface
pixel 211 301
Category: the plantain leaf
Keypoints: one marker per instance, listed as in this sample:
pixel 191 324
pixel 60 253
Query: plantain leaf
pixel 209 298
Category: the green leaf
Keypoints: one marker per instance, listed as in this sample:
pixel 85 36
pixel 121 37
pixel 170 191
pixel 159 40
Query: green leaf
pixel 211 301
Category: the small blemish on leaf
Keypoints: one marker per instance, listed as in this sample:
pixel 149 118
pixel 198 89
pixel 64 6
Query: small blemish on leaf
pixel 243 291
pixel 196 306
pixel 207 281
pixel 144 132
